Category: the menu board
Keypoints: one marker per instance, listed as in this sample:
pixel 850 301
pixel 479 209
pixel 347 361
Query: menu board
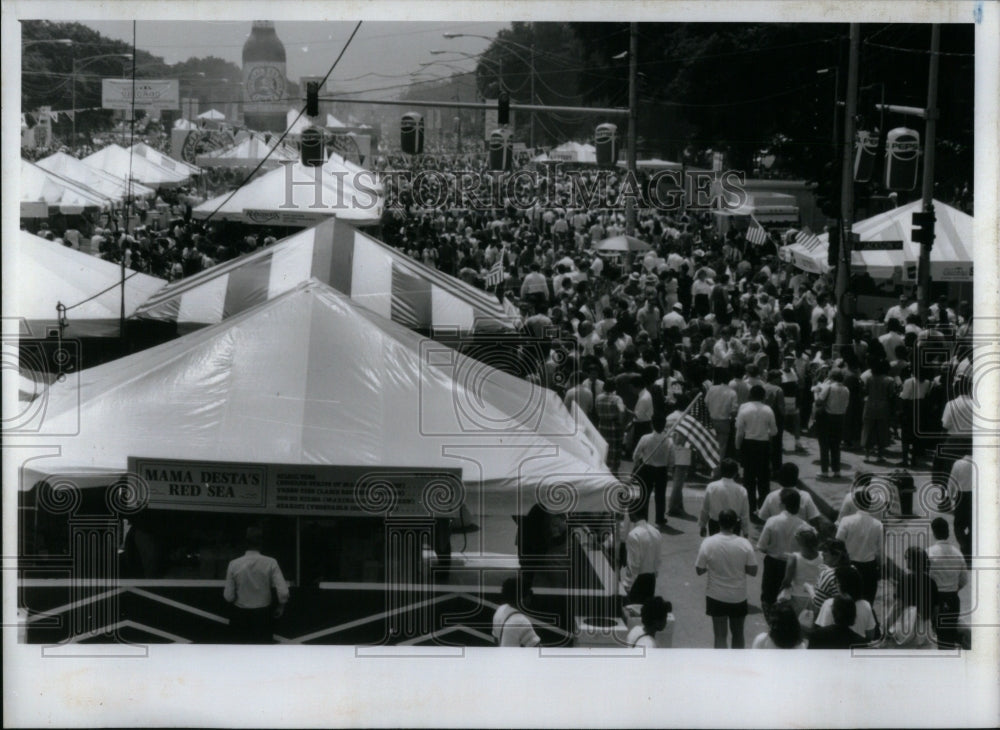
pixel 296 489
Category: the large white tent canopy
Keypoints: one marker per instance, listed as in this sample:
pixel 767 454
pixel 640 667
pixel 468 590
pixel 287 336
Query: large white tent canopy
pixel 163 160
pixel 951 255
pixel 288 196
pixel 310 378
pixel 117 160
pixel 106 183
pixel 44 189
pixel 47 273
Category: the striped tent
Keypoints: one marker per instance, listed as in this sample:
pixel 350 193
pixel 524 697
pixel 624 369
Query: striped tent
pixel 375 276
pixel 951 256
pixel 106 183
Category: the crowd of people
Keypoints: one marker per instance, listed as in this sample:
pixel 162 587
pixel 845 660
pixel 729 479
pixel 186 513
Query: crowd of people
pixel 633 339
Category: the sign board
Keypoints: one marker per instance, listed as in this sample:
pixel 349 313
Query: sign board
pixel 877 246
pixel 149 94
pixel 297 489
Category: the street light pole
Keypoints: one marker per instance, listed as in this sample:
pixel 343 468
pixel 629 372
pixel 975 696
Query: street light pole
pixel 843 318
pixel 633 99
pixel 531 132
pixel 927 189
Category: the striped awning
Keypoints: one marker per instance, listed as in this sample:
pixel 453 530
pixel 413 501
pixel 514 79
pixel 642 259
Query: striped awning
pixel 375 276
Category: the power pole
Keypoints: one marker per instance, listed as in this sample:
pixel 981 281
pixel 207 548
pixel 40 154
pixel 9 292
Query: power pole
pixel 531 133
pixel 843 324
pixel 927 190
pixel 633 99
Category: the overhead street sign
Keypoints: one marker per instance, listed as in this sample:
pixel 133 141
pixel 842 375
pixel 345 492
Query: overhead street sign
pixel 877 246
pixel 149 94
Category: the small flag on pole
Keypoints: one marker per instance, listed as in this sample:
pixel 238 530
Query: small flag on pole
pixel 756 233
pixel 696 426
pixel 495 275
pixel 807 240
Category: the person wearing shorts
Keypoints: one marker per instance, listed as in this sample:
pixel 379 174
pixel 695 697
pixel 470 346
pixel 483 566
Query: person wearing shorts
pixel 728 559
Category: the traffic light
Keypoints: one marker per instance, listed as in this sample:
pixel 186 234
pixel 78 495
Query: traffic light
pixel 503 108
pixel 828 189
pixel 411 133
pixel 312 147
pixel 923 228
pixel 501 151
pixel 312 99
pixel 833 251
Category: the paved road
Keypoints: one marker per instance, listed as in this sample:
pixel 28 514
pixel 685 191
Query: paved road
pixel 678 582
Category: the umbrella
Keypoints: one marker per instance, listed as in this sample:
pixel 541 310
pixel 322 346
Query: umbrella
pixel 623 244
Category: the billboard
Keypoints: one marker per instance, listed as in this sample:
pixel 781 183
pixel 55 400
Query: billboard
pixel 149 94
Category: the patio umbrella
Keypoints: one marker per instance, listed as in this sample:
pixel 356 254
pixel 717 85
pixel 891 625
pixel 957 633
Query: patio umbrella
pixel 623 244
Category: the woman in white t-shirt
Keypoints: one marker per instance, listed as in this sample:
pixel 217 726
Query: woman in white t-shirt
pixel 784 632
pixel 865 623
pixel 655 612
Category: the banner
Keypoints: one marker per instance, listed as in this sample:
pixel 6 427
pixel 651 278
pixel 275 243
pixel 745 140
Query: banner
pixel 149 94
pixel 297 489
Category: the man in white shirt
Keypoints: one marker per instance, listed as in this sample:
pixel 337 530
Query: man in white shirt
pixel 674 318
pixel 721 495
pixel 901 310
pixel 722 403
pixel 511 627
pixel 249 581
pixel 863 533
pixel 650 460
pixel 787 476
pixel 777 542
pixel 947 569
pixel 728 559
pixel 642 559
pixel 535 287
pixel 755 427
pixel 962 478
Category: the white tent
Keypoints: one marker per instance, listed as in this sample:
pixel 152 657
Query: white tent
pixel 185 125
pixel 310 378
pixel 288 196
pixel 295 124
pixel 213 114
pixel 337 164
pixel 951 255
pixel 107 184
pixel 333 123
pixel 574 152
pixel 163 160
pixel 47 273
pixel 43 189
pixel 117 160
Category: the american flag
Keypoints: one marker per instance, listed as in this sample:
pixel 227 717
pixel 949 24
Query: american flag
pixel 696 426
pixel 495 275
pixel 756 233
pixel 807 239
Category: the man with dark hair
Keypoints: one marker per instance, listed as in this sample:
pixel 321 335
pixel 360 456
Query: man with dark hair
pixel 777 542
pixel 511 627
pixel 728 559
pixel 650 460
pixel 947 569
pixel 724 494
pixel 642 559
pixel 755 427
pixel 862 533
pixel 788 476
pixel 249 582
pixel 838 635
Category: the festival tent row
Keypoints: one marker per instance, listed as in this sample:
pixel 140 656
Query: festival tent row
pixel 310 378
pixel 117 160
pixel 213 115
pixel 288 196
pixel 573 152
pixel 48 273
pixel 373 275
pixel 163 160
pixel 249 152
pixel 43 190
pixel 107 184
pixel 951 255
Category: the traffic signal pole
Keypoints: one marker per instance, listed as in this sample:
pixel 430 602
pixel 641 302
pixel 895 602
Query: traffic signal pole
pixel 843 325
pixel 927 190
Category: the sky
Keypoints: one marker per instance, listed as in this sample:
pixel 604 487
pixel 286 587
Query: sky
pixel 382 54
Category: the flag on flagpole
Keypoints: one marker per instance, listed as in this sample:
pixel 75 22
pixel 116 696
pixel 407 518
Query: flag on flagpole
pixel 756 233
pixel 495 274
pixel 807 239
pixel 696 426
